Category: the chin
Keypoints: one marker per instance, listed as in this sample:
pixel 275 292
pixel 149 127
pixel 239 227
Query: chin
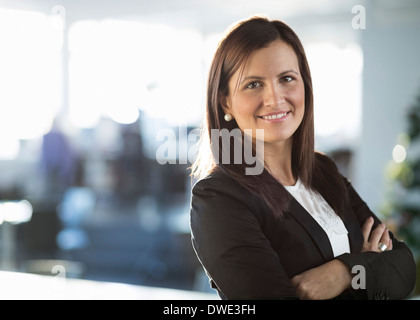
pixel 277 137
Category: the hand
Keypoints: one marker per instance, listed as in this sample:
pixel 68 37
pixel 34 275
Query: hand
pixel 374 237
pixel 324 282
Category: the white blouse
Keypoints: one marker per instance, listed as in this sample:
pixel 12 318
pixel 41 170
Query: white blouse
pixel 321 211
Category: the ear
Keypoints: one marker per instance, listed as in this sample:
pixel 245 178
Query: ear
pixel 223 100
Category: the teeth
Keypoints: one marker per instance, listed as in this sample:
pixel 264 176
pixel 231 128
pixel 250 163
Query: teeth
pixel 274 116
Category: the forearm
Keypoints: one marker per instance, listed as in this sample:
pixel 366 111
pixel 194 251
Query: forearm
pixel 324 282
pixel 389 274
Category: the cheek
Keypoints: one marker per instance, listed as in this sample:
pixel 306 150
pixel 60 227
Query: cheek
pixel 298 98
pixel 244 106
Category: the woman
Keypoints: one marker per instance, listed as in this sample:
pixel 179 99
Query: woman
pixel 297 230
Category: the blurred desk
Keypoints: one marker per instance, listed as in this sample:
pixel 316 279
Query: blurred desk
pixel 25 286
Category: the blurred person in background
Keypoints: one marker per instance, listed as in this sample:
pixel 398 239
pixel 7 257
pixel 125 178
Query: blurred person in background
pixel 298 230
pixel 59 163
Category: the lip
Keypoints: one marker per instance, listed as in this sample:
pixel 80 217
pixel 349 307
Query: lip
pixel 275 116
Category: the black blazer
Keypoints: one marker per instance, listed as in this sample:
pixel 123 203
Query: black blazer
pixel 248 253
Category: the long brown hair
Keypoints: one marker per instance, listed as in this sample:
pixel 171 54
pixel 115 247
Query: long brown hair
pixel 231 55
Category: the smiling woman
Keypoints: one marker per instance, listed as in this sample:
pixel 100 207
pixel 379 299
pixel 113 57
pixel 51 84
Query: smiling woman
pixel 268 93
pixel 296 230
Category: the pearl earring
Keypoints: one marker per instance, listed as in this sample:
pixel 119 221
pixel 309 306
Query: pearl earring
pixel 228 117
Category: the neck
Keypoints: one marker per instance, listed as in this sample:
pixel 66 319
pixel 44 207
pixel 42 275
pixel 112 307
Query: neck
pixel 278 161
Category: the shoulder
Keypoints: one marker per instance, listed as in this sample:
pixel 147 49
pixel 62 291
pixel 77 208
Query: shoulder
pixel 325 167
pixel 215 178
pixel 329 167
pixel 324 159
pixel 218 194
pixel 218 183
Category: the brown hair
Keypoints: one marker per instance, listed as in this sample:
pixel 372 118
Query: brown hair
pixel 232 54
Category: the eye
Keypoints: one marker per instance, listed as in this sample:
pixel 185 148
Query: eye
pixel 287 79
pixel 253 85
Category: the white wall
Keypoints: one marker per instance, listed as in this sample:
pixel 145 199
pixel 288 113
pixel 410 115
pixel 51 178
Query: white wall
pixel 391 80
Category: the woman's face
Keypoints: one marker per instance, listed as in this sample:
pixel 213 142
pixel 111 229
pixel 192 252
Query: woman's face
pixel 269 94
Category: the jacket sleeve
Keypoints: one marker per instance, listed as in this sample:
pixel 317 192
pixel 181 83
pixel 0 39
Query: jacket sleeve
pixel 231 246
pixel 390 274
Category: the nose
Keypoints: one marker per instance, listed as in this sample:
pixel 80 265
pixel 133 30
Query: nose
pixel 273 96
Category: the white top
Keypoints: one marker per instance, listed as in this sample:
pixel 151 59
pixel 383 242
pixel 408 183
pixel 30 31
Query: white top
pixel 321 211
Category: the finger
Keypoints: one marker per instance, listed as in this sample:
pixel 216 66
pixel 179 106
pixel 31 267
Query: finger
pixel 367 228
pixel 385 238
pixel 294 281
pixel 376 235
pixel 390 242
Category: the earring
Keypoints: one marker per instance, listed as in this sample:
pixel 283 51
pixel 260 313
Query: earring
pixel 228 117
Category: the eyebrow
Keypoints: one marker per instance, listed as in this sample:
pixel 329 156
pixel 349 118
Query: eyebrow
pixel 262 78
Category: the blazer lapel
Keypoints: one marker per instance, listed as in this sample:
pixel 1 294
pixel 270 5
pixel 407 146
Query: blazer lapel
pixel 354 230
pixel 316 232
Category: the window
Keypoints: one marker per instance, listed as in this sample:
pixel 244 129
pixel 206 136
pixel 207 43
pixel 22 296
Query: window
pixel 337 82
pixel 30 77
pixel 118 67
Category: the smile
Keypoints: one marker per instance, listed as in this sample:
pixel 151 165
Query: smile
pixel 274 116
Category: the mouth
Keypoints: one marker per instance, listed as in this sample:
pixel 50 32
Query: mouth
pixel 275 116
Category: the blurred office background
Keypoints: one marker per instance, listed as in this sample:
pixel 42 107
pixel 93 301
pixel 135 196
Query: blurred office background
pixel 90 91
